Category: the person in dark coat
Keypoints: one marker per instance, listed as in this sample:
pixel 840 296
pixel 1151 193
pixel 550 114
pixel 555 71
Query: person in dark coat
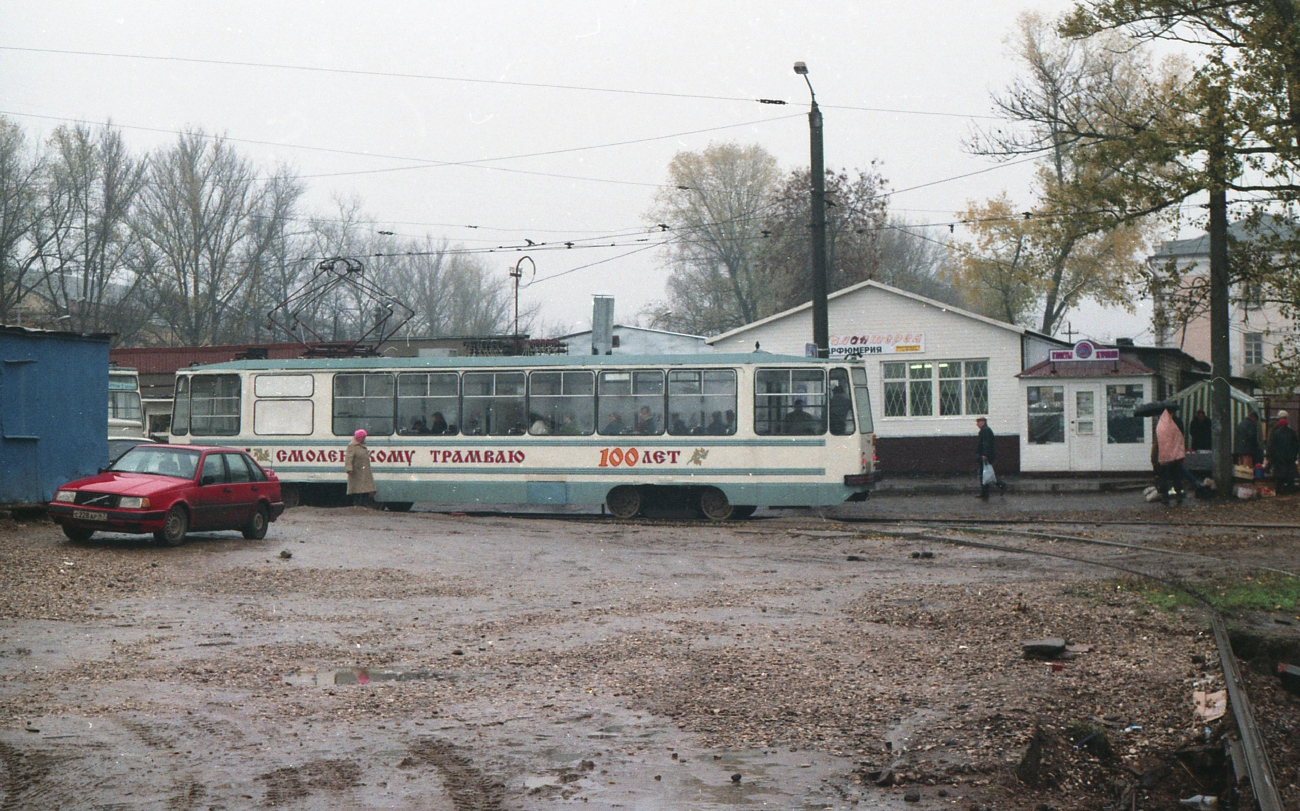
pixel 984 452
pixel 1283 446
pixel 1247 441
pixel 1201 431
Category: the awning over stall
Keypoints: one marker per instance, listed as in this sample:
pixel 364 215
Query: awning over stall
pixel 1198 395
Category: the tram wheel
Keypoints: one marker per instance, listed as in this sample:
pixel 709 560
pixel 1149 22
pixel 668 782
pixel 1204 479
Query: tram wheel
pixel 738 513
pixel 624 501
pixel 714 504
pixel 290 496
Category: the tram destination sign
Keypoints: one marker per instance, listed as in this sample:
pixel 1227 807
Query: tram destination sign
pixel 860 344
pixel 1083 350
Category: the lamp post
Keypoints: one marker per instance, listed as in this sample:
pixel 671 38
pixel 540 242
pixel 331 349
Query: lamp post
pixel 817 172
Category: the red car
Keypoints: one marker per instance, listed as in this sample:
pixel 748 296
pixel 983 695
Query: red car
pixel 169 490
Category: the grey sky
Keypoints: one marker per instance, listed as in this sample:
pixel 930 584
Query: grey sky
pixel 938 57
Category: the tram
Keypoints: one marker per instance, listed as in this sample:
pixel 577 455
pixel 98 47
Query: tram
pixel 724 433
pixel 125 416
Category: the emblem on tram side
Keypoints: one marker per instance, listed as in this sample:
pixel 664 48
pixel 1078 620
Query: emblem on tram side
pixel 699 456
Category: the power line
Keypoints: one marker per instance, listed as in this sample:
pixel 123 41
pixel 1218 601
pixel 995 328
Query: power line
pixel 436 164
pixel 461 79
pixel 352 152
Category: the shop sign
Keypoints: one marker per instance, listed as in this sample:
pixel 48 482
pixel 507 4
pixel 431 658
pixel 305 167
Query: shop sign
pixel 876 343
pixel 1083 350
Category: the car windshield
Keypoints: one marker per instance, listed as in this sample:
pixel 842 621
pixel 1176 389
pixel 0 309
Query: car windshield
pixel 161 461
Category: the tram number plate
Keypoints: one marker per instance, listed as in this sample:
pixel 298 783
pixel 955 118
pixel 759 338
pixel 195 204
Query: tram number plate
pixel 89 515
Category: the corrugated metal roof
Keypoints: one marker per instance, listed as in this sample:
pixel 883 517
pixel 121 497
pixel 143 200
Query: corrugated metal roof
pixel 158 360
pixel 1087 368
pixel 1268 227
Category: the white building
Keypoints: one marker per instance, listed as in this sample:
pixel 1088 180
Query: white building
pixel 640 341
pixel 931 369
pixel 1256 327
pixel 1077 409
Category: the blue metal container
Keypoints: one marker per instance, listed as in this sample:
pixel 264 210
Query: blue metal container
pixel 53 411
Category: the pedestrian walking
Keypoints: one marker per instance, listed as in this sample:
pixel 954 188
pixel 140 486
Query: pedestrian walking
pixel 1247 441
pixel 1283 446
pixel 984 453
pixel 356 461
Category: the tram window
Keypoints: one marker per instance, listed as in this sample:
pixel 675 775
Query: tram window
pixel 493 404
pixel 789 401
pixel 214 405
pixel 632 402
pixel 702 402
pixel 181 407
pixel 428 403
pixel 840 409
pixel 862 399
pixel 285 417
pixel 363 401
pixel 561 403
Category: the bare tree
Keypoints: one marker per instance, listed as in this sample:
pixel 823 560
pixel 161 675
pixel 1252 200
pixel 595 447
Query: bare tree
pixel 24 207
pixel 94 182
pixel 855 214
pixel 196 223
pixel 273 252
pixel 714 207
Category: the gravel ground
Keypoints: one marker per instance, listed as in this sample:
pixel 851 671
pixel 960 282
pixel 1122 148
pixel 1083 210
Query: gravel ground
pixel 431 660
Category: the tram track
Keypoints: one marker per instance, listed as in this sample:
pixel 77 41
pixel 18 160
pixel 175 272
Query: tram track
pixel 948 530
pixel 1256 764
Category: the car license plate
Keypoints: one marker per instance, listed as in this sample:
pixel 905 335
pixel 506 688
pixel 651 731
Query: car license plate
pixel 89 515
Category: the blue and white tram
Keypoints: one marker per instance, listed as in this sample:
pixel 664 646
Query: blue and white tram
pixel 727 432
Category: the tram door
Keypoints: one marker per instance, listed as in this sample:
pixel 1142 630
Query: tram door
pixel 1085 428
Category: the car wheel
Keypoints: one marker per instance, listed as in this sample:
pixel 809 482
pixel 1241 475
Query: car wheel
pixel 714 504
pixel 175 525
pixel 624 501
pixel 256 528
pixel 78 534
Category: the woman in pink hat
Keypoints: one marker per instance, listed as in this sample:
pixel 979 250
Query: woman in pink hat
pixel 356 461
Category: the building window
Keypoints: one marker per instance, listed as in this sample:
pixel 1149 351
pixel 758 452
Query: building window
pixel 1122 428
pixel 910 388
pixel 1046 414
pixel 1254 348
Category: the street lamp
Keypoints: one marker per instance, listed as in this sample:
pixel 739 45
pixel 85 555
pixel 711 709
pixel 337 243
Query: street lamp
pixel 817 171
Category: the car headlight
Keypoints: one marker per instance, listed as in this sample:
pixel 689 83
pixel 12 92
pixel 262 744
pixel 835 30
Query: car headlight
pixel 66 496
pixel 133 503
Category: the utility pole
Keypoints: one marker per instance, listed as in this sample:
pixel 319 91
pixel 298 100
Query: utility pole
pixel 1220 359
pixel 817 172
pixel 517 273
